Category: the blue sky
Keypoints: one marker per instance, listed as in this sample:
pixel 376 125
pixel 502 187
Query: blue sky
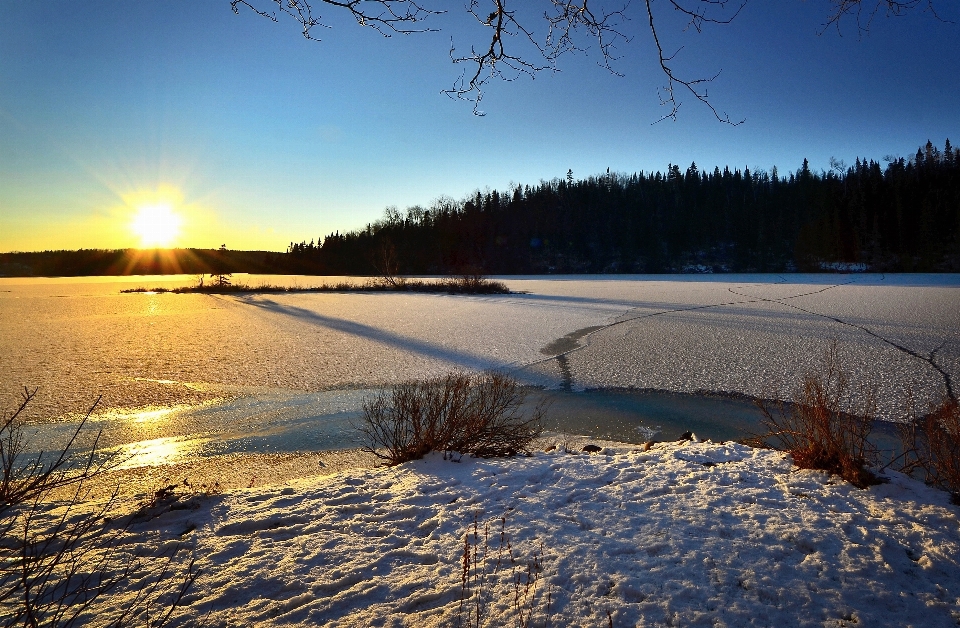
pixel 258 137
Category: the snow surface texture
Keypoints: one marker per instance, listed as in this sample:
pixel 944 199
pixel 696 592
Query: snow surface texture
pixel 760 338
pixel 77 341
pixel 753 334
pixel 689 534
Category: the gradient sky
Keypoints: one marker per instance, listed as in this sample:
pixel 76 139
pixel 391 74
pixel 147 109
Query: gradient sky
pixel 258 137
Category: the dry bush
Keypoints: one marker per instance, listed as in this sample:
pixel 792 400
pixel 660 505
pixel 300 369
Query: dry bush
pixel 463 284
pixel 931 444
pixel 478 284
pixel 60 560
pixel 481 582
pixel 478 415
pixel 387 263
pixel 821 428
pixel 472 281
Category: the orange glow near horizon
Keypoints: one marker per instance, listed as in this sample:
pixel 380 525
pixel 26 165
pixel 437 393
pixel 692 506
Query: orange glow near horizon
pixel 149 217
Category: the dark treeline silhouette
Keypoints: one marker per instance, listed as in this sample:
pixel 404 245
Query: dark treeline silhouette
pixel 135 262
pixel 903 217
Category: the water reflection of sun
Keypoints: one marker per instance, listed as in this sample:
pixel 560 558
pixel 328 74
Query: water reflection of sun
pixel 160 451
pixel 147 428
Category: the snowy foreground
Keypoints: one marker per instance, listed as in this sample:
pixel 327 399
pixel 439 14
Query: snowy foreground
pixel 685 534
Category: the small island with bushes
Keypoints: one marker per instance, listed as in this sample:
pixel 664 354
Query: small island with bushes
pixel 463 284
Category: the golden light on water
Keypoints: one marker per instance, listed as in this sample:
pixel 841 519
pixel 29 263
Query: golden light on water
pixel 160 451
pixel 151 416
pixel 146 427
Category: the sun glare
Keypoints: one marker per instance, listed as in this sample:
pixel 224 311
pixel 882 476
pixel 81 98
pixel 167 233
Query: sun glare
pixel 156 224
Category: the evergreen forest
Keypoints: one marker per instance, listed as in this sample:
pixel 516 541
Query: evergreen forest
pixel 901 217
pixel 904 217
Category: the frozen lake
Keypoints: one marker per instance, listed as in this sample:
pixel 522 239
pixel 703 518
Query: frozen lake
pixel 195 375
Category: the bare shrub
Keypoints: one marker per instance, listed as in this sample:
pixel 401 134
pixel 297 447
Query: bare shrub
pixel 478 415
pixel 932 445
pixel 387 264
pixel 481 582
pixel 59 560
pixel 822 428
pixel 476 284
pixel 471 281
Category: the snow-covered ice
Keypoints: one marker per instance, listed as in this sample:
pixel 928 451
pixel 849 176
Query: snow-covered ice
pixel 78 340
pixel 754 334
pixel 684 534
pixel 758 335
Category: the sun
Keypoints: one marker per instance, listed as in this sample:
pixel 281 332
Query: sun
pixel 156 224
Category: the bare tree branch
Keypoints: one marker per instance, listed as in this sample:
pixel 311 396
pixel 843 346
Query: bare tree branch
pixel 384 16
pixel 60 559
pixel 568 23
pixel 516 48
pixel 492 62
pixel 668 96
pixel 865 11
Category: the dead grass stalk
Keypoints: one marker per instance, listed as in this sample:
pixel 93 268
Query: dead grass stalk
pixel 482 584
pixel 931 446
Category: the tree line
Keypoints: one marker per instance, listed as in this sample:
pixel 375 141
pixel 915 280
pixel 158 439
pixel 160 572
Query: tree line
pixel 904 217
pixel 134 262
